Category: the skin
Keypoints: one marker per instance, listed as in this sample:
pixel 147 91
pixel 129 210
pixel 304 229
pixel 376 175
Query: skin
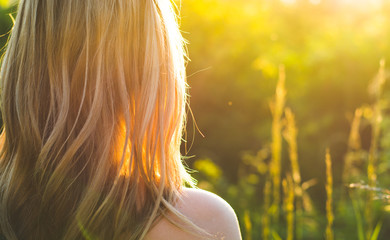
pixel 206 210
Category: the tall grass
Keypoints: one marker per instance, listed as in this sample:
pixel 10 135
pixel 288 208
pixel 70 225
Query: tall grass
pixel 289 196
pixel 351 172
pixel 266 221
pixel 283 124
pixel 290 134
pixel 329 198
pixel 277 109
pixel 248 225
pixel 354 153
pixel 376 91
pixel 295 200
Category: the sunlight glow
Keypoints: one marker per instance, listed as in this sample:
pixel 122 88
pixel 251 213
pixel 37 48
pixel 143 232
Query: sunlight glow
pixel 288 2
pixel 361 3
pixel 315 2
pixel 356 3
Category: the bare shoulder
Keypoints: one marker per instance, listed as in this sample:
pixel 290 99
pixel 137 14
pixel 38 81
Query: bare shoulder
pixel 206 210
pixel 210 212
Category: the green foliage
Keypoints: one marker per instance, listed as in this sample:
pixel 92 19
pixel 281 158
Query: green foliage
pixel 6 3
pixel 330 52
pixel 208 167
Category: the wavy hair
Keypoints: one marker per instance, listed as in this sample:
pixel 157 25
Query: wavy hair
pixel 93 97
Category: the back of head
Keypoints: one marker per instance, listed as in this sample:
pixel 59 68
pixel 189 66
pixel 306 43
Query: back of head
pixel 92 100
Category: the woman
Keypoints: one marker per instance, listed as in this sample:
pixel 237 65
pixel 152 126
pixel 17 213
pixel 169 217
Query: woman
pixel 93 99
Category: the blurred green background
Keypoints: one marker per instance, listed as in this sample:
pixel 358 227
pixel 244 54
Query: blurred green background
pixel 330 50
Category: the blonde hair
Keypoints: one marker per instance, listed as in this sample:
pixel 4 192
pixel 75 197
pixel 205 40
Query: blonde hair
pixel 93 96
